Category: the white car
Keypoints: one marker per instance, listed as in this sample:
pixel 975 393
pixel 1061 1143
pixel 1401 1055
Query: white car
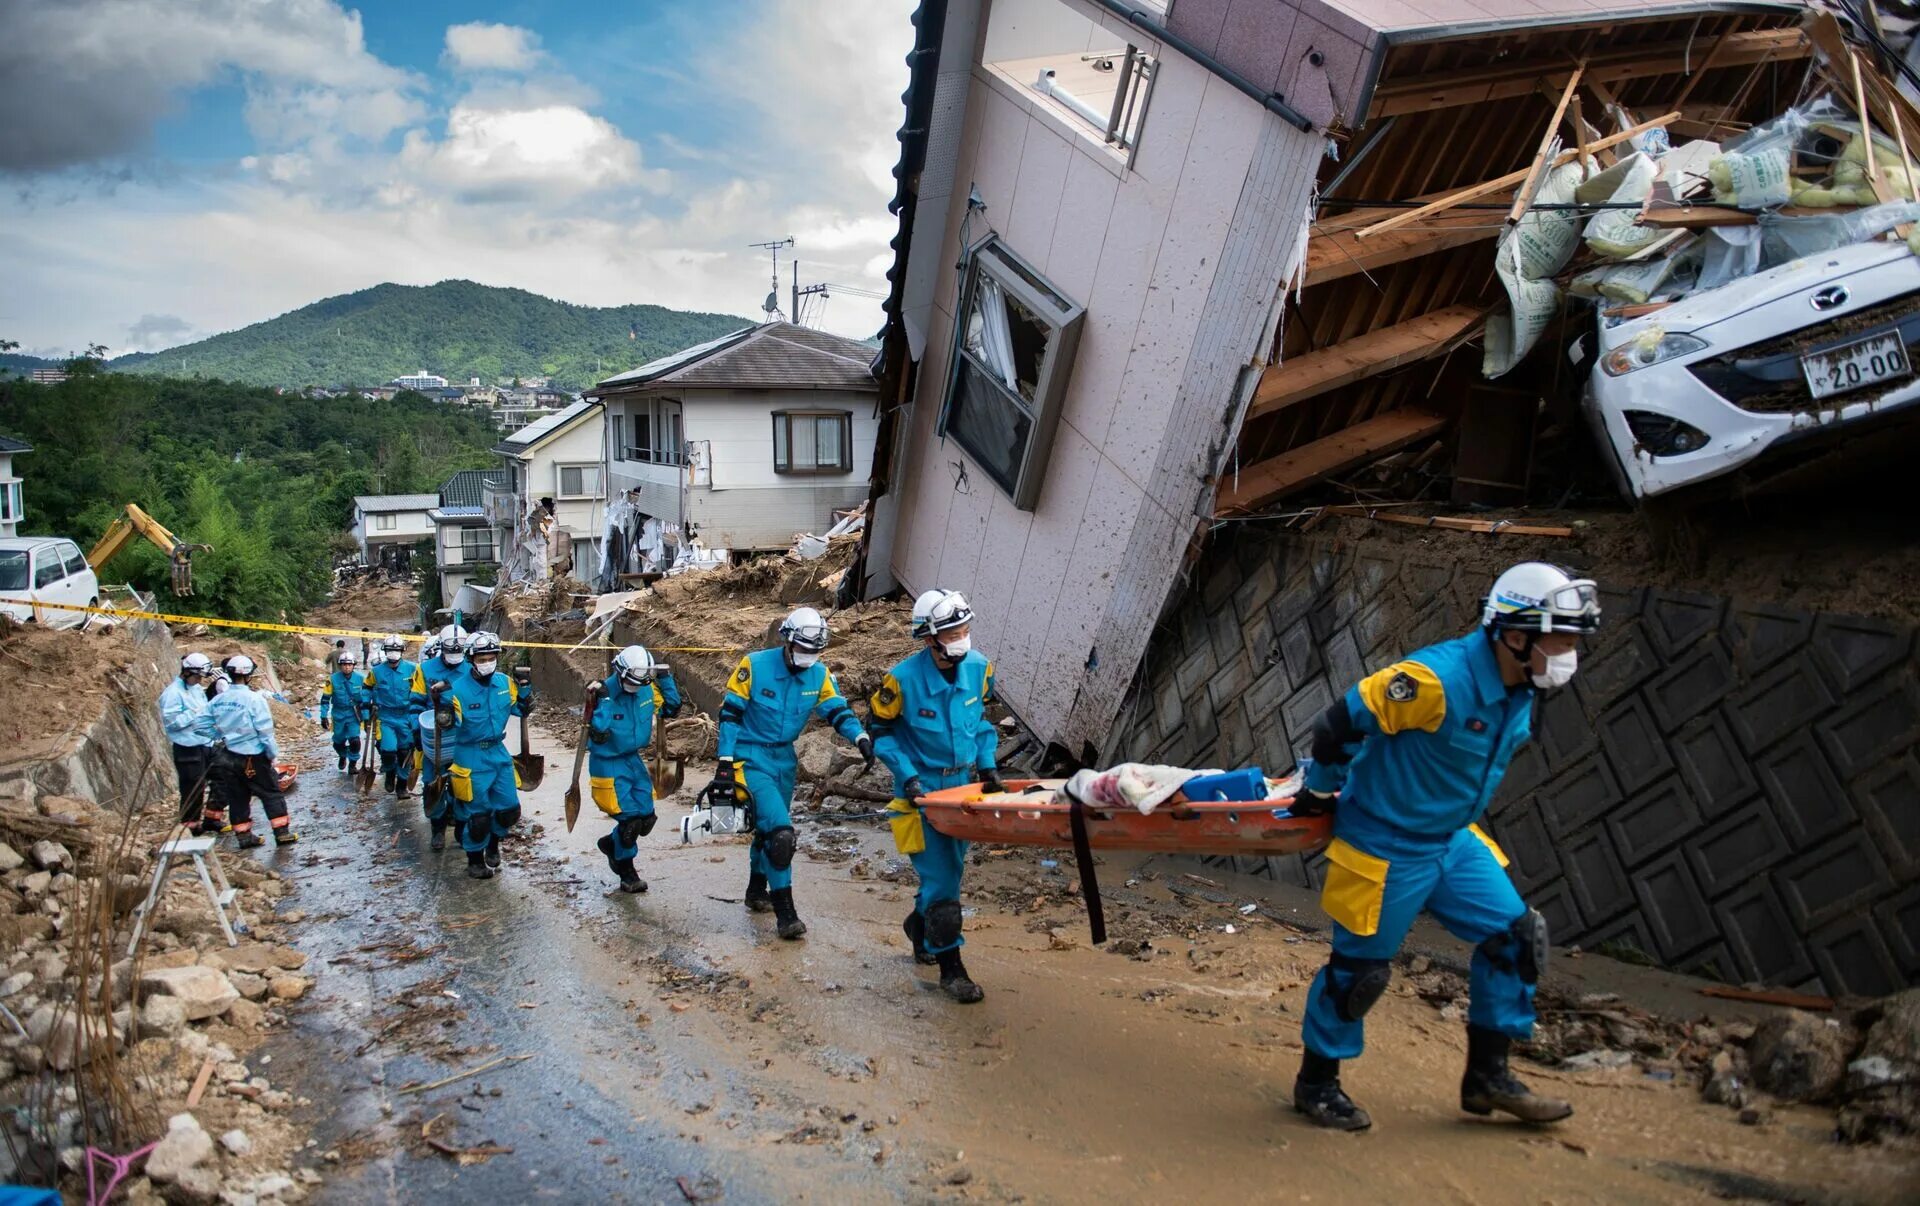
pixel 1757 372
pixel 45 569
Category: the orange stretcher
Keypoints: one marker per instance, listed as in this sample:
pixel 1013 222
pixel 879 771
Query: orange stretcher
pixel 1035 812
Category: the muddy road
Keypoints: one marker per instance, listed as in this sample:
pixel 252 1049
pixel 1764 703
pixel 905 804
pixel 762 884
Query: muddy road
pixel 667 1047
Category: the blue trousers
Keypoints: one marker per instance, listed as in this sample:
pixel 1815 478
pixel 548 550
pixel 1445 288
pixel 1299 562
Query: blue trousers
pixel 622 788
pixel 486 794
pixel 346 734
pixel 1461 881
pixel 770 773
pixel 942 863
pixel 396 746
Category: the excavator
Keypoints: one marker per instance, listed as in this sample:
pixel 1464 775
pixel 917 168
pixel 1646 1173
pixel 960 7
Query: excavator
pixel 134 521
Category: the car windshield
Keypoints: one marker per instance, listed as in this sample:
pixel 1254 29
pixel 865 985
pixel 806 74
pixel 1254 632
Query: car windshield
pixel 13 569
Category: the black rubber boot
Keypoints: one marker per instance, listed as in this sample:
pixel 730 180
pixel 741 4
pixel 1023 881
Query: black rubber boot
pixel 493 852
pixel 285 837
pixel 1318 1095
pixel 954 980
pixel 606 847
pixel 758 900
pixel 249 841
pixel 916 928
pixel 439 839
pixel 477 866
pixel 388 779
pixel 630 881
pixel 1489 1086
pixel 343 763
pixel 789 925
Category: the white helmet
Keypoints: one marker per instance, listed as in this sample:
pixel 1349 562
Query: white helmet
pixel 921 607
pixel 240 666
pixel 453 644
pixel 805 630
pixel 634 665
pixel 394 644
pixel 1537 597
pixel 347 659
pixel 948 612
pixel 431 648
pixel 195 663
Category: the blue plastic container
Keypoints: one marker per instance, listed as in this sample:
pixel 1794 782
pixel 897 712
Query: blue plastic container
pixel 1246 784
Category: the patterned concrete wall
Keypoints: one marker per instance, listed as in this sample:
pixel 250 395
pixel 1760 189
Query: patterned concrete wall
pixel 1731 789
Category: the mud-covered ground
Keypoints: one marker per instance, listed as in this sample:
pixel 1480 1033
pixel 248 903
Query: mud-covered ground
pixel 667 1047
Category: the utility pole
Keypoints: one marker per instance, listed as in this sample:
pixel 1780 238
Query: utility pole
pixel 800 295
pixel 772 305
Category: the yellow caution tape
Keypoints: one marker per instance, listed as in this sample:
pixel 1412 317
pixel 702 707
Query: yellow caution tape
pixel 364 633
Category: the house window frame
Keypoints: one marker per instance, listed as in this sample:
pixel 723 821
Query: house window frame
pixel 1064 318
pixel 385 521
pixel 597 490
pixel 663 416
pixel 10 502
pixel 467 546
pixel 783 440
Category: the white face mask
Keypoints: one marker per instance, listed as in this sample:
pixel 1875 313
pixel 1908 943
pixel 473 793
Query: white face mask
pixel 1559 672
pixel 485 666
pixel 802 658
pixel 453 657
pixel 393 657
pixel 957 648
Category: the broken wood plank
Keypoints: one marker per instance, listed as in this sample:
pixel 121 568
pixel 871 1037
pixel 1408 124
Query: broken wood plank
pixel 1696 217
pixel 1451 523
pixel 1485 187
pixel 1338 252
pixel 1768 996
pixel 1314 373
pixel 1524 196
pixel 1635 309
pixel 1580 135
pixel 200 1084
pixel 1451 89
pixel 1296 468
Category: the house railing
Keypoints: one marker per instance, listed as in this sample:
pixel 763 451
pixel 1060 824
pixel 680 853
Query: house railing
pixel 653 456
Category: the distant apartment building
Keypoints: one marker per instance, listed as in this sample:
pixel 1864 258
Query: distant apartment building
pixel 386 525
pixel 422 380
pixel 11 508
pixel 49 376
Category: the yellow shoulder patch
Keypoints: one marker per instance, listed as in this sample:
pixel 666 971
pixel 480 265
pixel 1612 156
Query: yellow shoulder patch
pixel 659 700
pixel 986 684
pixel 886 701
pixel 328 689
pixel 741 683
pixel 513 690
pixel 828 688
pixel 1406 695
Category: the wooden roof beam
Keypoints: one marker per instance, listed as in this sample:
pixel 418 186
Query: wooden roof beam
pixel 1450 89
pixel 1314 373
pixel 1298 468
pixel 1336 253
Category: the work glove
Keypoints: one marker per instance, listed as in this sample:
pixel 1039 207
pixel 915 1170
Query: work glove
pixel 990 783
pixel 864 744
pixel 1311 803
pixel 596 736
pixel 913 789
pixel 724 785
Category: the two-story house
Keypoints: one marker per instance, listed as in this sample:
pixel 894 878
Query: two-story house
pixel 11 508
pixel 386 526
pixel 463 541
pixel 549 504
pixel 747 439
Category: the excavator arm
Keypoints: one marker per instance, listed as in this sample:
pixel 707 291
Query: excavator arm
pixel 135 522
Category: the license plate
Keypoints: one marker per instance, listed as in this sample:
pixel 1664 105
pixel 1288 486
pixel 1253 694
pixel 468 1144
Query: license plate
pixel 1856 365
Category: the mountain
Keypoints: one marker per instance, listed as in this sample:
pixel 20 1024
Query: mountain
pixel 455 329
pixel 13 364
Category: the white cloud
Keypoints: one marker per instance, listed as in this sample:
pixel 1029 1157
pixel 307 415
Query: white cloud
pixel 555 151
pixel 484 46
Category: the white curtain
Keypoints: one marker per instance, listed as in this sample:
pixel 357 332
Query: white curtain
pixel 996 337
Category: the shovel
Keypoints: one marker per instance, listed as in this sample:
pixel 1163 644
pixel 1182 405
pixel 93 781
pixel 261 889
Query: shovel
pixel 580 755
pixel 667 777
pixel 531 767
pixel 371 732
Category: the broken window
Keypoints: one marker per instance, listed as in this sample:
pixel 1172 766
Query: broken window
pixel 812 441
pixel 1016 341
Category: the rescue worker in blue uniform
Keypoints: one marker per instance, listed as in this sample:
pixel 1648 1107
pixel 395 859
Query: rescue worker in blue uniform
pixel 472 715
pixel 619 729
pixel 183 713
pixel 767 703
pixel 931 729
pixel 246 770
pixel 1407 761
pixel 441 661
pixel 343 701
pixel 389 688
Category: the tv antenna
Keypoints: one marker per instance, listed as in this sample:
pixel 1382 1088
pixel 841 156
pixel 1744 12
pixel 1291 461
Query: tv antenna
pixel 771 307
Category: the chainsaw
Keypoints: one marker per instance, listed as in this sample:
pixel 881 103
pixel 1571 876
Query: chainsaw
pixel 713 814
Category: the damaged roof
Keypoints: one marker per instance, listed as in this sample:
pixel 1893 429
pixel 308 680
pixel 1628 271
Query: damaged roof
pixel 775 355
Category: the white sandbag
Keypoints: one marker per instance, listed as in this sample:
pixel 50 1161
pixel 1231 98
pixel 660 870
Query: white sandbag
pixel 1617 233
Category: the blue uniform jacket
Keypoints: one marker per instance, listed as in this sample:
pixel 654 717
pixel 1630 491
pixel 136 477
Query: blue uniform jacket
pixel 481 710
pixel 622 720
pixel 390 687
pixel 345 691
pixel 429 672
pixel 923 724
pixel 184 713
pixel 1438 730
pixel 244 721
pixel 768 704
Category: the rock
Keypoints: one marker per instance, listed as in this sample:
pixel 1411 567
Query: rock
pixel 250 986
pixel 1724 1085
pixel 232 1072
pixel 155 960
pixel 51 856
pixel 256 957
pixel 34 887
pixel 272 1185
pixel 63 883
pixel 203 991
pixel 1059 940
pixel 1600 1058
pixel 247 1015
pixel 9 858
pixel 238 1142
pixel 1751 1117
pixel 196 1185
pixel 289 988
pixel 15 984
pixel 1884 1082
pixel 162 1017
pixel 1800 1057
pixel 814 752
pixel 57 1032
pixel 1895 1037
pixel 185 1146
pixel 274 1099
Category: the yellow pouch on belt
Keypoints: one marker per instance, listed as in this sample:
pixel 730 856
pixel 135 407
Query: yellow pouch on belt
pixel 462 780
pixel 1356 884
pixel 604 797
pixel 909 829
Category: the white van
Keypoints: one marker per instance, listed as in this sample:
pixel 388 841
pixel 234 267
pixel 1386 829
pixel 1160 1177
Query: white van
pixel 45 569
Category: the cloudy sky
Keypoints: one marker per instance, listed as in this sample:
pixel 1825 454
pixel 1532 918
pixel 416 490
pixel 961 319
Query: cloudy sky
pixel 174 168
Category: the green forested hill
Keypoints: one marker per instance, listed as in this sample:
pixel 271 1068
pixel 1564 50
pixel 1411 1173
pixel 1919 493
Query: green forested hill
pixel 455 329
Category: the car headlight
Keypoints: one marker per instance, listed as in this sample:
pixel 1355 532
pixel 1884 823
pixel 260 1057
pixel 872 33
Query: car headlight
pixel 1649 348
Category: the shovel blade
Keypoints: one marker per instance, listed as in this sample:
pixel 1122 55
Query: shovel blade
pixel 573 806
pixel 669 775
pixel 532 768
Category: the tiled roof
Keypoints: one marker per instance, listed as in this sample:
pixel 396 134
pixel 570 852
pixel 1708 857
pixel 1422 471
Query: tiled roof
pixel 9 444
pixel 464 488
pixel 775 355
pixel 395 502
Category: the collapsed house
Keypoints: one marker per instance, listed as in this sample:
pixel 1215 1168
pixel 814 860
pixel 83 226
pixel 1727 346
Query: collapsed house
pixel 1162 275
